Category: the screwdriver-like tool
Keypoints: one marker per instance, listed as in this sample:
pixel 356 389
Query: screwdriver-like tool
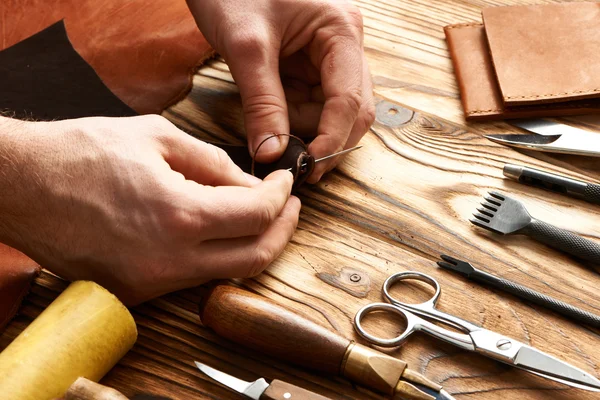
pixel 261 324
pixel 260 389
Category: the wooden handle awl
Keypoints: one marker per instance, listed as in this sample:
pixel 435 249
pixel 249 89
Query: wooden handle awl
pixel 84 389
pixel 279 390
pixel 261 324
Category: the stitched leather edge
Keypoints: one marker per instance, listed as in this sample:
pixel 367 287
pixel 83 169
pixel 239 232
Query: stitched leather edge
pixel 550 95
pixel 463 25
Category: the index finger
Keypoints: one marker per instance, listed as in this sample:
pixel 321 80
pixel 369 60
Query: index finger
pixel 341 75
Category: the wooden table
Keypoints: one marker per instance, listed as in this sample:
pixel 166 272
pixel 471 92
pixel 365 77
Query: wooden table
pixel 395 205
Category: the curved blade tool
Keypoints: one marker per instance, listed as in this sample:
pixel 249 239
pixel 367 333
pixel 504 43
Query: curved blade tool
pixel 552 137
pixel 251 389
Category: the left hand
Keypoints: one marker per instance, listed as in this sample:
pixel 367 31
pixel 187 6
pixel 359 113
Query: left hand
pixel 298 64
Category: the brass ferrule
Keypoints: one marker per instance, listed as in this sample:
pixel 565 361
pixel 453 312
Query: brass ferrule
pixel 372 368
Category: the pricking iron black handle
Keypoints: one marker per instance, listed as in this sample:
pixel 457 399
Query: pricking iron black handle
pixel 564 240
pixel 592 193
pixel 541 299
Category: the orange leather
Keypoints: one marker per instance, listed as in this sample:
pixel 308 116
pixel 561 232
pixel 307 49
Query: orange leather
pixel 480 94
pixel 545 53
pixel 17 272
pixel 144 51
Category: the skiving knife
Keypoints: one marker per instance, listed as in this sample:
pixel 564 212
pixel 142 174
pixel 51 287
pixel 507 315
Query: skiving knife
pixel 551 137
pixel 260 389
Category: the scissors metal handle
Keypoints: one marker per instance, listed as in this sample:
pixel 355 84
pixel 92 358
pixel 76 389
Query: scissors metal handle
pixel 413 322
pixel 427 308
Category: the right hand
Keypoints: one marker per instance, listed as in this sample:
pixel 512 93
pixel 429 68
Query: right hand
pixel 137 205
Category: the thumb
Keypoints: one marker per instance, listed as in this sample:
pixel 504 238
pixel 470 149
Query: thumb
pixel 254 64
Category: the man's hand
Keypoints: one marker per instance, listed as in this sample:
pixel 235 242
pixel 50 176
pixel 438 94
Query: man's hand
pixel 298 63
pixel 137 205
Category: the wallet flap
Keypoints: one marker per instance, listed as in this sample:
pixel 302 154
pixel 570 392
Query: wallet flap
pixel 545 53
pixel 473 69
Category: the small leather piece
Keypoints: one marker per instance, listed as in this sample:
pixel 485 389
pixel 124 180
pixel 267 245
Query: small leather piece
pixel 295 157
pixel 479 91
pixel 17 272
pixel 145 51
pixel 545 53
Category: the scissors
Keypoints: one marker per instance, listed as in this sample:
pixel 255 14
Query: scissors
pixel 474 338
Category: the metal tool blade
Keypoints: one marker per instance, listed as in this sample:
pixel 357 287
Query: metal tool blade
pixel 568 144
pixel 547 127
pixel 441 395
pixel 251 389
pixel 552 368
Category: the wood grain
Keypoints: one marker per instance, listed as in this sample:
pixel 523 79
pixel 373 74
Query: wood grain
pixel 395 205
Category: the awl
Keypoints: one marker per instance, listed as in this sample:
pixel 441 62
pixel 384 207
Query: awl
pixel 261 324
pixel 260 389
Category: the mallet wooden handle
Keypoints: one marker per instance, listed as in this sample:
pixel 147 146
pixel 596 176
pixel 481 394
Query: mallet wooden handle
pixel 259 323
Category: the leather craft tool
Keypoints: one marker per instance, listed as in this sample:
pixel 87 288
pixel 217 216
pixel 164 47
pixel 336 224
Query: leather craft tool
pixel 467 270
pixel 589 192
pixel 84 332
pixel 84 389
pixel 552 137
pixel 473 338
pixel 501 214
pixel 263 325
pixel 260 389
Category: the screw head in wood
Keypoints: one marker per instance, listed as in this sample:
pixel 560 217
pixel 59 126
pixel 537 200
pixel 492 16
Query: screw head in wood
pixel 355 277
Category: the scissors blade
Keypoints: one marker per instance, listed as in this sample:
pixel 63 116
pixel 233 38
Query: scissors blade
pixel 520 355
pixel 545 365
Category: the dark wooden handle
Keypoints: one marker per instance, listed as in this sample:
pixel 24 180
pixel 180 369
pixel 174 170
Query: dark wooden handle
pixel 261 324
pixel 279 390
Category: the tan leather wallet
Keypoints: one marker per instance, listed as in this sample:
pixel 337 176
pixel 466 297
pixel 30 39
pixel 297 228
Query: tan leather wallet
pixel 528 61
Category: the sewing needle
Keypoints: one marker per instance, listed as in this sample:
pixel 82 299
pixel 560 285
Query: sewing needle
pixel 339 153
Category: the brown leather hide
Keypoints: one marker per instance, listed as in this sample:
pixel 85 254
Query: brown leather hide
pixel 144 51
pixel 16 274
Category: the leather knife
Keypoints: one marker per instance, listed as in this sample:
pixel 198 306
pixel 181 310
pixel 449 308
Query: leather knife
pixel 553 137
pixel 260 389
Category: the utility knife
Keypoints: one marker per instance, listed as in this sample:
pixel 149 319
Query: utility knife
pixel 260 389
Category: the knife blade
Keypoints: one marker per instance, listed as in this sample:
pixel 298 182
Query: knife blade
pixel 551 137
pixel 259 389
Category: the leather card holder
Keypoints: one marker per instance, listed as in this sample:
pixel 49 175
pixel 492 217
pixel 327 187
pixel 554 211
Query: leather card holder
pixel 545 53
pixel 480 94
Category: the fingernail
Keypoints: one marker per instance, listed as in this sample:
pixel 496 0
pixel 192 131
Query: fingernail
pixel 252 180
pixel 269 146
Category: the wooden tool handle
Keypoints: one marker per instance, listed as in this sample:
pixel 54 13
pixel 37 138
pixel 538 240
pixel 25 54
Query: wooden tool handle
pixel 279 390
pixel 84 389
pixel 261 324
